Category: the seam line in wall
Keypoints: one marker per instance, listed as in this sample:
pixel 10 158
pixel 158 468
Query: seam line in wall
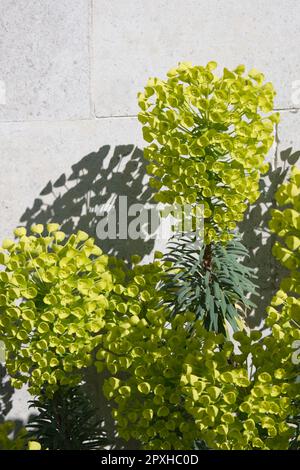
pixel 98 118
pixel 91 58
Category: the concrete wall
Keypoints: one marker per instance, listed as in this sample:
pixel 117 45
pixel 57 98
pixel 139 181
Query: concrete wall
pixel 69 74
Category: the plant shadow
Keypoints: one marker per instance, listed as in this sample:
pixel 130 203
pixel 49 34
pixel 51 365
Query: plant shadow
pixel 79 200
pixel 6 393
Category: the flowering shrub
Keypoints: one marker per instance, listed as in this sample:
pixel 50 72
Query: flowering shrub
pixel 53 296
pixel 59 300
pixel 207 140
pixel 175 379
pixel 181 387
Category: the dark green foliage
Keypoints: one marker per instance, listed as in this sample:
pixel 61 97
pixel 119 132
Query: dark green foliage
pixel 67 421
pixel 295 421
pixel 12 437
pixel 209 281
pixel 200 445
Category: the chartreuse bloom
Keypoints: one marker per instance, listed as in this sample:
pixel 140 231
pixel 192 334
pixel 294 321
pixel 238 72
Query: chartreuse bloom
pixel 208 137
pixel 171 387
pixel 182 386
pixel 53 299
pixel 60 299
pixel 34 445
pixel 285 222
pixel 178 388
pixel 135 302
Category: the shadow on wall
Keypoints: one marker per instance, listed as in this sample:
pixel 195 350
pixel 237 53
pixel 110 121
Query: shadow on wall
pixel 259 241
pixel 6 392
pixel 96 182
pixel 6 401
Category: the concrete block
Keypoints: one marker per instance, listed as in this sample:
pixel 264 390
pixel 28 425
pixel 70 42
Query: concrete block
pixel 134 40
pixel 44 59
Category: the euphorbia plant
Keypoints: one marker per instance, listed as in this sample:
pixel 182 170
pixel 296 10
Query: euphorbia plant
pixel 65 305
pixel 60 298
pixel 285 223
pixel 187 385
pixel 208 143
pixel 53 296
pixel 215 290
pixel 208 137
pixel 180 386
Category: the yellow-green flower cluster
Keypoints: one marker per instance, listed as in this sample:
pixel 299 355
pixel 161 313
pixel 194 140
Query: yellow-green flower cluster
pixel 60 299
pixel 285 223
pixel 34 445
pixel 53 298
pixel 181 388
pixel 208 137
pixel 171 387
pixel 136 303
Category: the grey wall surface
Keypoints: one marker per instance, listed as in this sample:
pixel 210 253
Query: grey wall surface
pixel 69 74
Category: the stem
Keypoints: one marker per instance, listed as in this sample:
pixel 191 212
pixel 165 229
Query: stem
pixel 207 258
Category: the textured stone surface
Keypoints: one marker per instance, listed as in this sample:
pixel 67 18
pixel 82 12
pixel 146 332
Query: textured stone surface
pixel 44 59
pixel 288 131
pixel 134 40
